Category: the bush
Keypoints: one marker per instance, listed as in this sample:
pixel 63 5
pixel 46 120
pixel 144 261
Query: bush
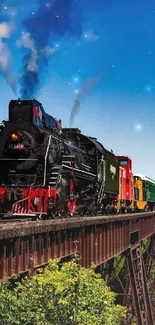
pixel 60 295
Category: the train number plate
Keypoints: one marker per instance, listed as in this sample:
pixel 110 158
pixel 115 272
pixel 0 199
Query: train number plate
pixel 17 146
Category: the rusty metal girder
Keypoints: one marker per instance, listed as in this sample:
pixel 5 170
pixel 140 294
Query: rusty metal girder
pixel 19 255
pixel 29 245
pixel 93 244
pixel 139 287
pixel 140 278
pixel 150 272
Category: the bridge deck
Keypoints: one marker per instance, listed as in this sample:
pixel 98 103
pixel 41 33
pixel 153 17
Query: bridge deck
pixel 28 245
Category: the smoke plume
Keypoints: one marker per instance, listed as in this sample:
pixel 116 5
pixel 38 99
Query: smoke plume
pixel 5 58
pixel 86 88
pixel 49 23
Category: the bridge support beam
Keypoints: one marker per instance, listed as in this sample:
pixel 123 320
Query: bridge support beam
pixel 134 282
pixel 150 271
pixel 138 282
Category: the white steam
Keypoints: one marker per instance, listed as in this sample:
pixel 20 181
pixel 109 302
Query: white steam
pixel 5 57
pixel 27 42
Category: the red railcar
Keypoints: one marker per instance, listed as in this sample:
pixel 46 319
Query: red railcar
pixel 122 183
pixel 125 192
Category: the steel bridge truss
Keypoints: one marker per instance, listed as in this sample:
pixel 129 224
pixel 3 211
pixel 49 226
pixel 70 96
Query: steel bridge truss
pixel 135 282
pixel 124 244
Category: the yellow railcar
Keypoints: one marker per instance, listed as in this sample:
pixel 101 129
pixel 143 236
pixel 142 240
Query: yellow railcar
pixel 139 195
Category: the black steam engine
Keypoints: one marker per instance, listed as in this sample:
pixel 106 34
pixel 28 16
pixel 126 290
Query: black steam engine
pixel 47 170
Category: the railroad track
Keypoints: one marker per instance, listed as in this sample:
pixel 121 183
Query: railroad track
pixel 23 218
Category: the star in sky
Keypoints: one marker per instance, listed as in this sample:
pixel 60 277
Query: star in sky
pixel 90 35
pixel 138 127
pixel 148 88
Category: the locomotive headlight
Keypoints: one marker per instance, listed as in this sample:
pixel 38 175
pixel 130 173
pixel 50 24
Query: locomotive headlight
pixel 15 137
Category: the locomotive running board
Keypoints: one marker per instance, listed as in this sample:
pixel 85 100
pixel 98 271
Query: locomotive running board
pixel 8 216
pixel 17 159
pixel 24 214
pixel 20 214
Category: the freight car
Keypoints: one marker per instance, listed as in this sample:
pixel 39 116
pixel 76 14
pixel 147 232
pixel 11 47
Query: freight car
pixel 49 171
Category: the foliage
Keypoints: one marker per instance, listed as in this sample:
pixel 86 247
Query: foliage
pixel 119 262
pixel 67 294
pixel 145 244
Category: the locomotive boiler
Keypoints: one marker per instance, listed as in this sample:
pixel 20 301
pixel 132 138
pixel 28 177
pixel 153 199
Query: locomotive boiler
pixel 48 171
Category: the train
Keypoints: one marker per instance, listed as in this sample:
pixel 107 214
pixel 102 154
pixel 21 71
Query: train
pixel 47 171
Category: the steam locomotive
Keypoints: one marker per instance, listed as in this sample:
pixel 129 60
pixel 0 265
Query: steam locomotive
pixel 49 171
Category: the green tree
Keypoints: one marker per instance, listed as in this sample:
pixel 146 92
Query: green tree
pixel 60 295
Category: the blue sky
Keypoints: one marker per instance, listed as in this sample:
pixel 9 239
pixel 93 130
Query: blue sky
pixel 115 38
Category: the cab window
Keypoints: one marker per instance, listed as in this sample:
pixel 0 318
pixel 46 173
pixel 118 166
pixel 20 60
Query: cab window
pixel 123 162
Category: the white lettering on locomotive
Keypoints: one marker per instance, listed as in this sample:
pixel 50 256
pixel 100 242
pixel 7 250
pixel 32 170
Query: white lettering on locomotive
pixel 113 170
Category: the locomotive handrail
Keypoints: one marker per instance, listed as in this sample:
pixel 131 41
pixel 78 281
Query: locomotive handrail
pixel 45 165
pixel 78 170
pixel 14 159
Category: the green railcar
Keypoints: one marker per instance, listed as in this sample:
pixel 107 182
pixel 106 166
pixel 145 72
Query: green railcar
pixel 148 187
pixel 108 170
pixel 150 191
pixel 111 173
